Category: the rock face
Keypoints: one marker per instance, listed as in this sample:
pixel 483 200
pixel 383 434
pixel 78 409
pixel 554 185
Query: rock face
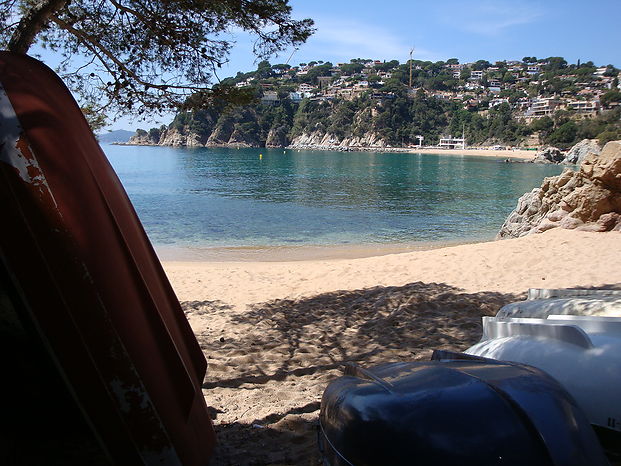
pixel 319 140
pixel 549 155
pixel 142 138
pixel 578 152
pixel 277 137
pixel 589 199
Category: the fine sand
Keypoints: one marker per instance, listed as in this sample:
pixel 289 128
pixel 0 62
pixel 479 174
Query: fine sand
pixel 276 333
pixel 520 154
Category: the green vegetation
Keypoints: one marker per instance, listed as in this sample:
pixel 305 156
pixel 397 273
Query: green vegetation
pixel 136 56
pixel 550 100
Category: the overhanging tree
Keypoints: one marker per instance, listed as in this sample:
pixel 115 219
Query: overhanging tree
pixel 146 55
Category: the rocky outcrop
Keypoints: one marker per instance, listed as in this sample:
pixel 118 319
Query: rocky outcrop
pixel 278 137
pixel 574 156
pixel 549 155
pixel 221 136
pixel 142 138
pixel 319 140
pixel 175 138
pixel 589 199
pixel 577 153
pixel 240 139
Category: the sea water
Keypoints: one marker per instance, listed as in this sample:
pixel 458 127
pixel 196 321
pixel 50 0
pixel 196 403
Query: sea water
pixel 210 198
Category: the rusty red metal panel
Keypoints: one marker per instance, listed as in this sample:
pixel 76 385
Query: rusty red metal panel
pixel 93 285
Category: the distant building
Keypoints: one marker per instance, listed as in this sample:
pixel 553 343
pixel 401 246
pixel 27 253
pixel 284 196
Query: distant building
pixel 383 96
pixel 269 97
pixel 472 86
pixel 471 104
pixel 295 97
pixel 494 85
pixel 541 107
pixel 306 88
pixel 587 108
pixel 452 143
pixel 600 71
pixel 477 74
pixel 324 81
pixel 496 102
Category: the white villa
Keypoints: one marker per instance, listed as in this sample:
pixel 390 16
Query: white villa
pixel 452 143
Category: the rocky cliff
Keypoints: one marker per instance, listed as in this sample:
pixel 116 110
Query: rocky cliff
pixel 588 199
pixel 142 138
pixel 321 140
pixel 175 138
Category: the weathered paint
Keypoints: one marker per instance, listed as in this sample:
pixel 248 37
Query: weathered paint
pixel 14 150
pixel 91 279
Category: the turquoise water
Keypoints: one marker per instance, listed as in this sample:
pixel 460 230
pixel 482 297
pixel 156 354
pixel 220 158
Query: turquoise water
pixel 229 198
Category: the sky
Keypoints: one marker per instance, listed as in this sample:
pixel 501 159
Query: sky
pixel 442 29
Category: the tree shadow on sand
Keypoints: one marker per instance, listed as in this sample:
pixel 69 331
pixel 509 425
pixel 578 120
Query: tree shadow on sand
pixel 285 438
pixel 368 326
pixel 301 344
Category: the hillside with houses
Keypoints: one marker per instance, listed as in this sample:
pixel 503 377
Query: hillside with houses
pixel 378 104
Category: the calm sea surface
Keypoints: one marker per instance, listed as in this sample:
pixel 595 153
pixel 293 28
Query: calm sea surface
pixel 204 198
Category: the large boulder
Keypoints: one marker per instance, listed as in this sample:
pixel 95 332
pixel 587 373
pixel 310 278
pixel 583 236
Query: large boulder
pixel 549 155
pixel 578 152
pixel 589 199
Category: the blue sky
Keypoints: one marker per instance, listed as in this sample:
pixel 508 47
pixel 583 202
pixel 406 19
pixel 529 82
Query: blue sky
pixel 442 29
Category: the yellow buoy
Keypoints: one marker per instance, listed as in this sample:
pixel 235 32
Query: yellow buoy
pixel 260 156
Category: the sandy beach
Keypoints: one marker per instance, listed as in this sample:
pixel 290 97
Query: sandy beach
pixel 275 333
pixel 511 153
pixel 520 154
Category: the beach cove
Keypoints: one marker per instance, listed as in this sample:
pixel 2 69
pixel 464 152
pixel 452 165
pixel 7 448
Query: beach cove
pixel 276 333
pixel 292 264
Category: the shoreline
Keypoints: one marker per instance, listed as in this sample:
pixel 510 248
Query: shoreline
pixel 299 253
pixel 276 333
pixel 520 154
pixel 554 259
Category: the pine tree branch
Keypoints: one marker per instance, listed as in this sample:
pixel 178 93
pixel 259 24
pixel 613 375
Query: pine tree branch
pixel 31 24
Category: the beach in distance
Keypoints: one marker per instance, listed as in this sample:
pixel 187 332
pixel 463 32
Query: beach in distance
pixel 511 153
pixel 523 155
pixel 276 332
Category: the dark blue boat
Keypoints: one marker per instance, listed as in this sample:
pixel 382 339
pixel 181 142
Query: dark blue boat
pixel 454 410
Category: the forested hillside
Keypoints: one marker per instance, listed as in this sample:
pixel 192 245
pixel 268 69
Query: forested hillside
pixel 368 103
